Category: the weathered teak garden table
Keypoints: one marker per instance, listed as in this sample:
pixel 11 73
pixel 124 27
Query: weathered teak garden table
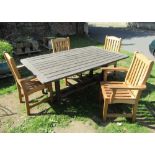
pixel 55 66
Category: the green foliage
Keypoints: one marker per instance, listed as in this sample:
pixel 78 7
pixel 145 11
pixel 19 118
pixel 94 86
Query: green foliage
pixel 8 90
pixel 5 47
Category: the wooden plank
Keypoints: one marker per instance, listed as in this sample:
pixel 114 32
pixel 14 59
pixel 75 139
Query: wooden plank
pixel 78 51
pixel 51 67
pixel 74 62
pixel 69 55
pixel 129 115
pixel 69 60
pixel 68 72
pixel 78 66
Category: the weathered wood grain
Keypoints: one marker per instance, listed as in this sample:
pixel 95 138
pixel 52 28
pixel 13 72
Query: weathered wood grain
pixel 55 66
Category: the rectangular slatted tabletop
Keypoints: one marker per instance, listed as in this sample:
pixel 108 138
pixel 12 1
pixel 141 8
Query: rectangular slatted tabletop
pixel 55 66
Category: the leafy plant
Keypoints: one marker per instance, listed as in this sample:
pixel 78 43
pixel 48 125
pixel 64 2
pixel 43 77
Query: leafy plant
pixel 5 47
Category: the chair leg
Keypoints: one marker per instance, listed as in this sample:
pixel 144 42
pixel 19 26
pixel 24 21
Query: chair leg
pixel 115 73
pixel 80 75
pixel 91 73
pixel 134 110
pixel 19 93
pixel 105 74
pixel 101 103
pixel 50 89
pixel 44 91
pixel 66 82
pixel 105 109
pixel 100 97
pixel 27 104
pixel 115 64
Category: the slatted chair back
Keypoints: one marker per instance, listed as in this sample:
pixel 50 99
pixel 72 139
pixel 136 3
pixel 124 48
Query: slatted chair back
pixel 60 44
pixel 139 71
pixel 12 66
pixel 112 43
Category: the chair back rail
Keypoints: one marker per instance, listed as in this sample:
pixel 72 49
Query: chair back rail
pixel 139 71
pixel 12 66
pixel 112 43
pixel 60 44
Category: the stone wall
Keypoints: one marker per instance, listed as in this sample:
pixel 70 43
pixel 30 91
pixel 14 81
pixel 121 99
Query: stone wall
pixel 37 30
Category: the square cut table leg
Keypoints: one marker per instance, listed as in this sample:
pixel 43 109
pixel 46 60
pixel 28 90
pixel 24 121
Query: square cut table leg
pixel 91 73
pixel 57 90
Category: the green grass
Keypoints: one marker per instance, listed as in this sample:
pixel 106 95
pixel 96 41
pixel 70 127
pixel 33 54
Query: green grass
pixel 7 86
pixel 42 124
pixel 83 106
pixel 125 128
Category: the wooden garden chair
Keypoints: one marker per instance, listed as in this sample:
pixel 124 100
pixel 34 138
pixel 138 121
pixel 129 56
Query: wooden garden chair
pixel 62 44
pixel 129 91
pixel 26 86
pixel 112 44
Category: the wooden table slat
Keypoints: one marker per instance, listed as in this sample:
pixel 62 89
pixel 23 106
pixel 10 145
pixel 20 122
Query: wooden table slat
pixel 72 62
pixel 73 65
pixel 55 66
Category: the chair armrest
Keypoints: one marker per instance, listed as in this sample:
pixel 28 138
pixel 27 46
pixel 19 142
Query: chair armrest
pixel 26 79
pixel 115 69
pixel 109 69
pixel 142 87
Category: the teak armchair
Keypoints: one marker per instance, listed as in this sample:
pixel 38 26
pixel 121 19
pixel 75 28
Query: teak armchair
pixel 112 44
pixel 26 86
pixel 129 91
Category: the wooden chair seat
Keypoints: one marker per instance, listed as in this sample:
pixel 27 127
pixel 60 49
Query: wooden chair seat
pixel 125 95
pixel 33 85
